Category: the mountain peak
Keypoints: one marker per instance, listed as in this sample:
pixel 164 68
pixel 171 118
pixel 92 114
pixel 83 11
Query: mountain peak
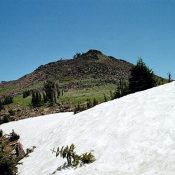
pixel 93 51
pixel 92 54
pixel 93 65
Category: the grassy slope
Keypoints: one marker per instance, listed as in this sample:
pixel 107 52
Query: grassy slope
pixel 5 89
pixel 73 96
pixel 23 102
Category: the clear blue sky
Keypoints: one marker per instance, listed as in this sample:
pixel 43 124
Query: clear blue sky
pixel 35 32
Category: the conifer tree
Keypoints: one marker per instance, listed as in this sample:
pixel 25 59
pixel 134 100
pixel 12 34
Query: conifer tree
pixel 51 92
pixel 7 100
pixel 142 77
pixel 36 99
pixel 44 97
pixel 26 93
pixel 122 89
pixel 58 90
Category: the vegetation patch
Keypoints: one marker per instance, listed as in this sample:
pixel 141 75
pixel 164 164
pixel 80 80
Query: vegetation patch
pixel 11 152
pixel 74 85
pixel 73 159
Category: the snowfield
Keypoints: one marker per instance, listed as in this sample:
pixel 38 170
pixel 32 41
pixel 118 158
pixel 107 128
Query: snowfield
pixel 133 135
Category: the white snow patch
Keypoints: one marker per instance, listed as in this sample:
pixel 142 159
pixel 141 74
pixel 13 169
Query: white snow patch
pixel 133 135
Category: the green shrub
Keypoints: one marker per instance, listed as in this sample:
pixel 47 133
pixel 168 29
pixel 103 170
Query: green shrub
pixel 7 164
pixel 87 158
pixel 68 153
pixel 8 160
pixel 5 119
pixel 8 100
pixel 73 159
pixel 13 136
pixel 26 93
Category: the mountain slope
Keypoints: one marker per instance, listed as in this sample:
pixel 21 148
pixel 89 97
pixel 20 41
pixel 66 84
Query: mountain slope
pixel 92 65
pixel 133 135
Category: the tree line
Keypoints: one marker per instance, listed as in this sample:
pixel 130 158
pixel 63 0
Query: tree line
pixel 141 78
pixel 49 94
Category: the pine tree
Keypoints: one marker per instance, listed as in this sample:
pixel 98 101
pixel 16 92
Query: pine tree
pixel 44 97
pixel 26 93
pixel 142 77
pixel 7 100
pixel 58 90
pixel 36 99
pixel 122 89
pixel 51 91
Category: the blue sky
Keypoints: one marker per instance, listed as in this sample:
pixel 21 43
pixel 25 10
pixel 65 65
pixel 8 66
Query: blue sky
pixel 35 32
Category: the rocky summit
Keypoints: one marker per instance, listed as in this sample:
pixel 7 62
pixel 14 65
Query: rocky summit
pixel 72 73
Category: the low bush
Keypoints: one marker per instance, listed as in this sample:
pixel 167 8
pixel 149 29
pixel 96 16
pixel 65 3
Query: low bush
pixel 8 100
pixel 8 160
pixel 26 93
pixel 11 152
pixel 87 158
pixel 13 136
pixel 73 159
pixel 5 119
pixel 7 164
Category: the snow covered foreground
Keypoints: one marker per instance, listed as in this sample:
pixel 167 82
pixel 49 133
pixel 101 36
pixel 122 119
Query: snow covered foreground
pixel 133 135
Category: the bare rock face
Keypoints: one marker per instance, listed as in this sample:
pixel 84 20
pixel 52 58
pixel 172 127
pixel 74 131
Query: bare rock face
pixel 19 151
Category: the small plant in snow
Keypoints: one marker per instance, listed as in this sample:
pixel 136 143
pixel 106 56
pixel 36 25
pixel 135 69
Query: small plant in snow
pixel 87 158
pixel 73 159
